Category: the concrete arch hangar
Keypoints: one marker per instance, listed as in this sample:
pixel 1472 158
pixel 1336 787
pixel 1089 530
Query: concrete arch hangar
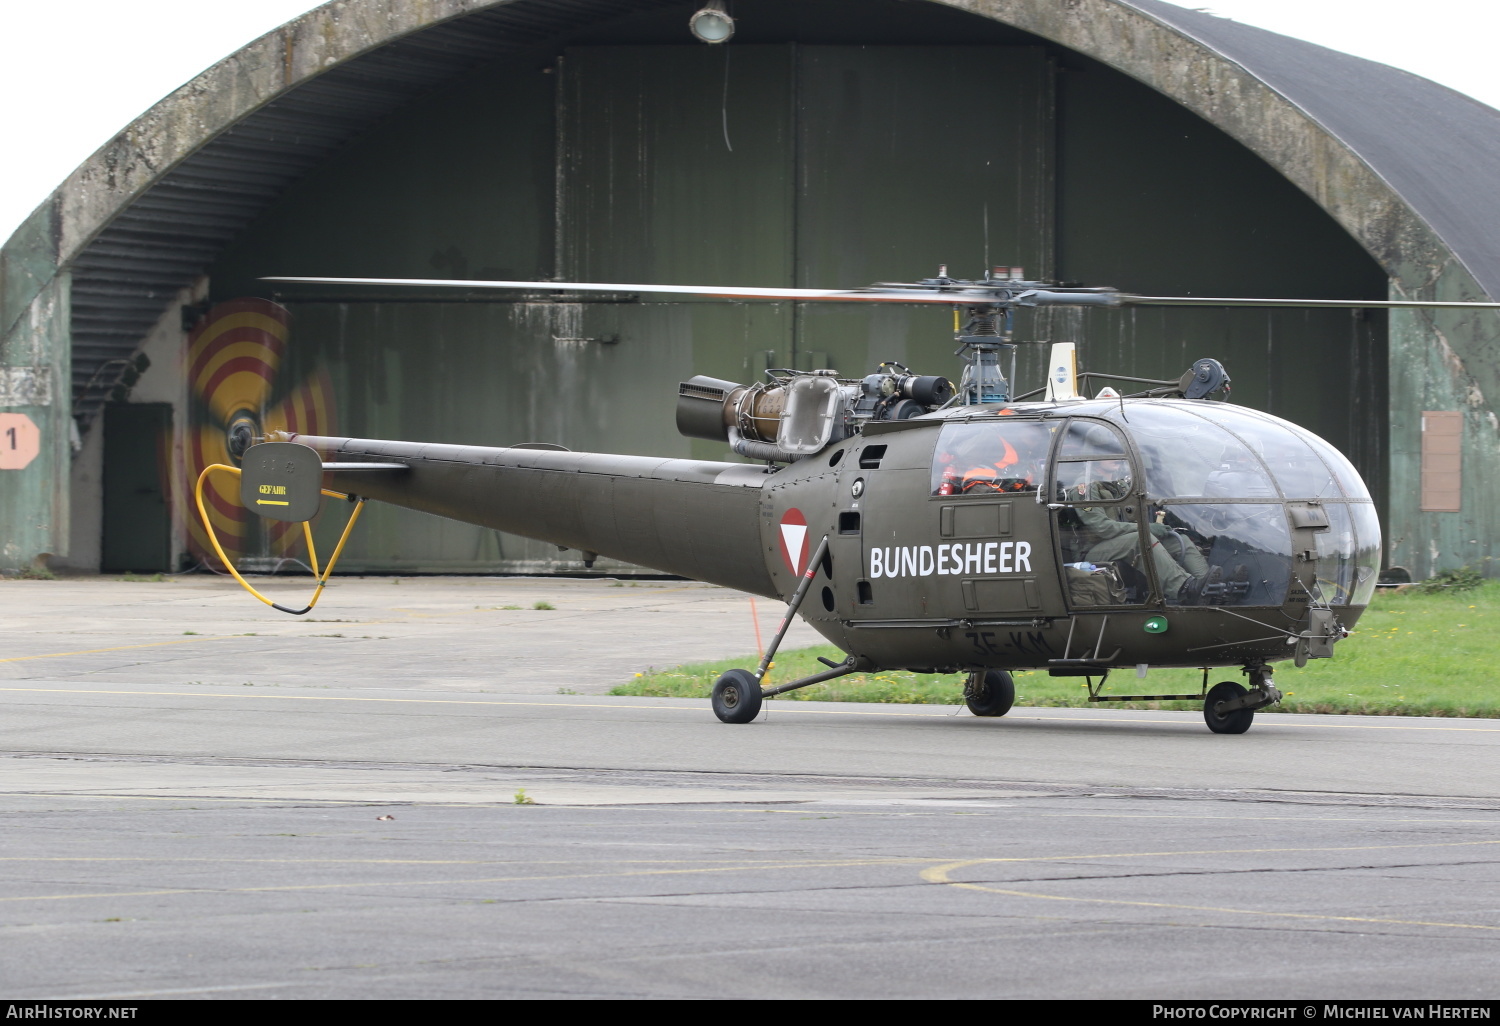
pixel 830 143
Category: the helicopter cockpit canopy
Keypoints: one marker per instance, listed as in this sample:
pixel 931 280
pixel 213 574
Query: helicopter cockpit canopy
pixel 1194 501
pixel 1235 481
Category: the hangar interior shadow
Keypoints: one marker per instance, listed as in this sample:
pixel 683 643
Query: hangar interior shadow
pixel 830 144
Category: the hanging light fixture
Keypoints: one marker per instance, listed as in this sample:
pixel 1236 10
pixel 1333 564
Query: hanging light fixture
pixel 712 24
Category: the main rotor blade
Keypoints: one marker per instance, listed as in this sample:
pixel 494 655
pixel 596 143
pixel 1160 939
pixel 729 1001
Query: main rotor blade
pixel 947 295
pixel 958 294
pixel 1309 304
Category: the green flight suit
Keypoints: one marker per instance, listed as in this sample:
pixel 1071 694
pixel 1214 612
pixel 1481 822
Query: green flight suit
pixel 1117 537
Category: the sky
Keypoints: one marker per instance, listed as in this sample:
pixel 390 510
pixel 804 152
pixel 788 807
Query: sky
pixel 73 73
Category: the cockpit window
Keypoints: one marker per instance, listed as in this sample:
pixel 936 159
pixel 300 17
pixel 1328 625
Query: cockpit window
pixel 1344 473
pixel 982 457
pixel 1297 469
pixel 1103 480
pixel 1348 552
pixel 1244 552
pixel 1091 464
pixel 1336 551
pixel 1186 456
pixel 1367 556
pixel 1089 440
pixel 1217 480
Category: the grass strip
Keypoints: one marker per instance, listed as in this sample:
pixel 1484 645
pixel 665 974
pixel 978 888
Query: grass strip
pixel 1412 654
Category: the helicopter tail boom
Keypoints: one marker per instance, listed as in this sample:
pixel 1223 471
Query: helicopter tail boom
pixel 685 517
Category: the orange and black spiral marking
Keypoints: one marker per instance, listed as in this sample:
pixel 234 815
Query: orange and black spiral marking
pixel 234 356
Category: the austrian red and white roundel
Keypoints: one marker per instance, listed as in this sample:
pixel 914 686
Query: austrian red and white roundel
pixel 793 539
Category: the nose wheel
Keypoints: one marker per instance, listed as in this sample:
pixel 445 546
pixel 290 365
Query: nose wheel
pixel 1229 708
pixel 1221 710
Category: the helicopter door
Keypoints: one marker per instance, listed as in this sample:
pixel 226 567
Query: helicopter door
pixel 882 495
pixel 991 539
pixel 1095 504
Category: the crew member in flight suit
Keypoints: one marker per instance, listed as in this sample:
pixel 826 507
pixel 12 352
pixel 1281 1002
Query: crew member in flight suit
pixel 986 462
pixel 1117 535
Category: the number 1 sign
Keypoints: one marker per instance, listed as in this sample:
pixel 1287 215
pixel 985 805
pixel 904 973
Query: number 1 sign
pixel 20 441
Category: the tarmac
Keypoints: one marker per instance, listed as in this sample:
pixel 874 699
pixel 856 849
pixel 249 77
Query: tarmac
pixel 417 792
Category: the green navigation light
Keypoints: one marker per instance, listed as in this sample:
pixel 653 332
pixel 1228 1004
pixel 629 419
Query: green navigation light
pixel 1156 625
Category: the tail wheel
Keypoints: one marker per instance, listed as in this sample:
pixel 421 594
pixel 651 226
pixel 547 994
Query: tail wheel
pixel 1235 722
pixel 990 693
pixel 736 697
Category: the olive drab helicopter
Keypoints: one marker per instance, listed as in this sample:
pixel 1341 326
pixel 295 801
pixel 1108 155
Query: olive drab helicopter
pixel 920 525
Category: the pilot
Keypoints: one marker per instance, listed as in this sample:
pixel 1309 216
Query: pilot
pixel 1116 533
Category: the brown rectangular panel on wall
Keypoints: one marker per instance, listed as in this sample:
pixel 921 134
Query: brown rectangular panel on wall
pixel 1442 461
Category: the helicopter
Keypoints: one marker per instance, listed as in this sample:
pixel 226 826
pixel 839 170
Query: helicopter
pixel 922 525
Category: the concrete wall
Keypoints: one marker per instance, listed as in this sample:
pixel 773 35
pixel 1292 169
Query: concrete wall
pixel 35 368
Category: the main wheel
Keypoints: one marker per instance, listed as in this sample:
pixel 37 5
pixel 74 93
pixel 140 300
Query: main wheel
pixel 992 694
pixel 1236 722
pixel 736 696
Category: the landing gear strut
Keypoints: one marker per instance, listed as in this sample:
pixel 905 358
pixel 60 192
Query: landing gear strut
pixel 737 695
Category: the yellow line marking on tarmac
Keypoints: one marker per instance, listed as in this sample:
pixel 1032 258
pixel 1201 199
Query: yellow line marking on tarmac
pixel 1317 815
pixel 273 889
pixel 804 805
pixel 703 863
pixel 1218 851
pixel 940 875
pixel 282 800
pixel 791 706
pixel 343 698
pixel 120 648
pixel 1268 721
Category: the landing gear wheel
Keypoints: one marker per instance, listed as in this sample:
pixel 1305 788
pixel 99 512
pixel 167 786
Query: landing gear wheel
pixel 1236 722
pixel 736 696
pixel 990 694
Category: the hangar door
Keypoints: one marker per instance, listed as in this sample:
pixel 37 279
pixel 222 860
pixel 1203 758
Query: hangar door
pixel 807 166
pixel 769 165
